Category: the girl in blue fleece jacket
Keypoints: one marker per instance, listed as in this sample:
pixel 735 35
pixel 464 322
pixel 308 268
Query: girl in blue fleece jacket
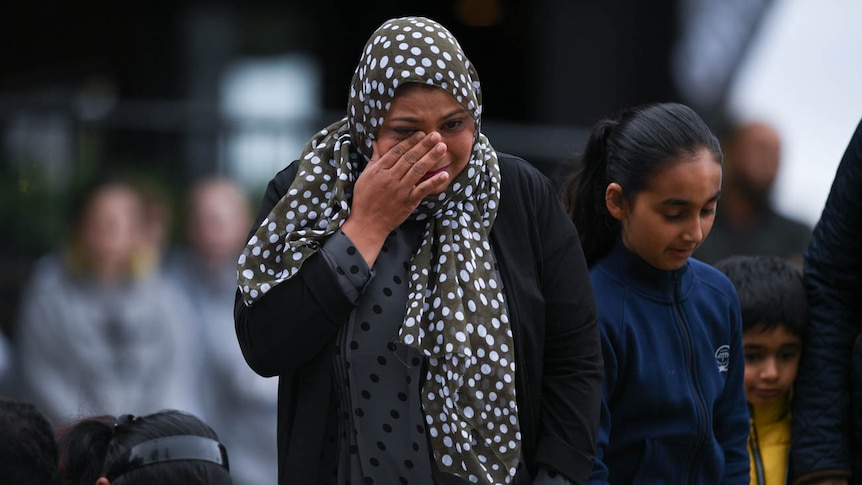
pixel 644 199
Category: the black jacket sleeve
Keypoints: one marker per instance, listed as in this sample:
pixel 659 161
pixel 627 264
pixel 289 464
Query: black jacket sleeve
pixel 551 300
pixel 833 276
pixel 291 323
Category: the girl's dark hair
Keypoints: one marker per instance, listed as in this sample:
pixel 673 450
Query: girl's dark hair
pixel 92 446
pixel 82 448
pixel 629 151
pixel 771 292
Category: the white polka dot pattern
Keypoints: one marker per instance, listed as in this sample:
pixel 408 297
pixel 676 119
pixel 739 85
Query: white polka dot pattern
pixel 456 314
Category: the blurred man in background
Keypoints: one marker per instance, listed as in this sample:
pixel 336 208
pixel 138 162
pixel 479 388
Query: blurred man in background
pixel 746 223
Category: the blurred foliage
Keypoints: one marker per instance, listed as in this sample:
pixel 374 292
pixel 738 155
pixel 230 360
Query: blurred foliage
pixel 36 210
pixel 31 222
pixel 29 209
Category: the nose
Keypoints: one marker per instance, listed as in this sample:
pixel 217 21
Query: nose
pixel 694 231
pixel 769 370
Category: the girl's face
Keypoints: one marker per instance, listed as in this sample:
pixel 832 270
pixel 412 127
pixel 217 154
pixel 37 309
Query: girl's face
pixel 418 107
pixel 668 220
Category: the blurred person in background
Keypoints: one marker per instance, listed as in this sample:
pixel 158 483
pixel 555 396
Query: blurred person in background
pixel 746 223
pixel 28 450
pixel 96 332
pixel 826 444
pixel 237 402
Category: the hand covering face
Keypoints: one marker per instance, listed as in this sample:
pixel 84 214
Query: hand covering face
pixel 456 314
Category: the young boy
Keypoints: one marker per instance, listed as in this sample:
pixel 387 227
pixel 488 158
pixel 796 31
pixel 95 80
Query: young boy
pixel 774 312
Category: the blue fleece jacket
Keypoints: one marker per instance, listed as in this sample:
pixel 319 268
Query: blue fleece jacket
pixel 673 407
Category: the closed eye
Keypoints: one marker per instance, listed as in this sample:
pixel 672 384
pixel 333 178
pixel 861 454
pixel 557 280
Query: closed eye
pixel 404 131
pixel 676 216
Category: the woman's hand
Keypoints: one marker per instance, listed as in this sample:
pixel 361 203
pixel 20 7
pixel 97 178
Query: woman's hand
pixel 390 188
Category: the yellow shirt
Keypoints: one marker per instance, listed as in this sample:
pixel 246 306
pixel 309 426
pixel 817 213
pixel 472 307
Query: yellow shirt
pixel 770 437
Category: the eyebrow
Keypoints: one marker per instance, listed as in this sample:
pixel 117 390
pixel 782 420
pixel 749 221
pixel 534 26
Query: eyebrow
pixel 793 345
pixel 684 203
pixel 457 112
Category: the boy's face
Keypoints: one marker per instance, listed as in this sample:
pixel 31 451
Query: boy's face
pixel 771 361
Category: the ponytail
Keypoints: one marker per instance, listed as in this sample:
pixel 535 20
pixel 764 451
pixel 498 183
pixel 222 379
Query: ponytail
pixel 83 446
pixel 584 196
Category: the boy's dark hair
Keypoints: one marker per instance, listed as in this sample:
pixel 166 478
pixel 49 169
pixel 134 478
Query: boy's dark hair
pixel 771 292
pixel 99 446
pixel 28 451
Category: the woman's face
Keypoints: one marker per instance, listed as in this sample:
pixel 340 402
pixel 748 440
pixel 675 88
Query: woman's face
pixel 418 107
pixel 110 230
pixel 668 220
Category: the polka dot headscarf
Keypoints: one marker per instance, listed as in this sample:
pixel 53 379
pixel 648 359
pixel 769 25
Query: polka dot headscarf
pixel 456 313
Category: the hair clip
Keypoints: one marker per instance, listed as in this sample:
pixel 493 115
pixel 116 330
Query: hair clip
pixel 171 448
pixel 124 420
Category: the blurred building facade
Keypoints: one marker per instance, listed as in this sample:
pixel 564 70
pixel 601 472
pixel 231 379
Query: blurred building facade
pixel 180 90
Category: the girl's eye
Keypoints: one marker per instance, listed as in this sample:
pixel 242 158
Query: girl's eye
pixel 708 211
pixel 674 217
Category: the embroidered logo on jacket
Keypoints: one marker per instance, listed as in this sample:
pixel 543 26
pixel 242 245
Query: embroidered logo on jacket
pixel 722 357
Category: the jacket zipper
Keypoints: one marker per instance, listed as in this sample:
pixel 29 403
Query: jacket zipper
pixel 754 443
pixel 701 413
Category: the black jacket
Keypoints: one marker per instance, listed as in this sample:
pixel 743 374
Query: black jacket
pixel 290 331
pixel 823 409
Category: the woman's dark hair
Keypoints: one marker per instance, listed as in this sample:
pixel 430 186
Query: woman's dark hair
pixel 98 446
pixel 629 151
pixel 771 292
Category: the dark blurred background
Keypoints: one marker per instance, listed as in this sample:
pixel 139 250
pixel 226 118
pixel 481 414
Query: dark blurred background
pixel 173 91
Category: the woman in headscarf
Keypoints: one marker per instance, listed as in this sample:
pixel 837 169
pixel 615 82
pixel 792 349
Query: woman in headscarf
pixel 423 298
